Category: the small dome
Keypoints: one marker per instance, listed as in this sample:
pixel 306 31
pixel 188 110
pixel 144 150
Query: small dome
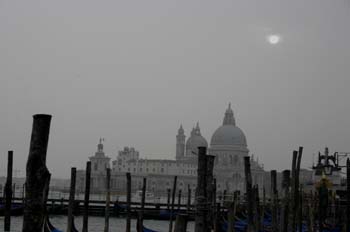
pixel 228 135
pixel 195 140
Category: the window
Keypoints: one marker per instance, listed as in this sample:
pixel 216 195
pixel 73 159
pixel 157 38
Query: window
pixel 162 170
pixel 95 166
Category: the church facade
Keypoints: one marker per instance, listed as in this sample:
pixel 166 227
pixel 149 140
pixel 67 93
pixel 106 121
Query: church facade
pixel 228 144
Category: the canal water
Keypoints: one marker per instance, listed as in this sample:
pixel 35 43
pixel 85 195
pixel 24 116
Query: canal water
pixel 96 224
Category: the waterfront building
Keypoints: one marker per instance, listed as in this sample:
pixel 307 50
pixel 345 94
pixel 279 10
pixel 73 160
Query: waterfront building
pixel 228 144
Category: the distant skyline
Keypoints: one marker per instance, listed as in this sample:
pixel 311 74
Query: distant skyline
pixel 133 71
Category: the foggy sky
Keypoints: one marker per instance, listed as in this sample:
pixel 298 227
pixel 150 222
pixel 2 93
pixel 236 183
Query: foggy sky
pixel 133 71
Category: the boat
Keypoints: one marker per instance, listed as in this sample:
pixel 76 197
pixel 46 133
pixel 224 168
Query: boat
pixel 48 227
pixel 16 209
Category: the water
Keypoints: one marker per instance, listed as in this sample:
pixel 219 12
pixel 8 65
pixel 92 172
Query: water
pixel 96 224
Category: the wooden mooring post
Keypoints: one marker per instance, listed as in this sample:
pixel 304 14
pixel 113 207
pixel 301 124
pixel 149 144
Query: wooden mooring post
pixel 172 205
pixel 108 198
pixel 181 223
pixel 248 179
pixel 143 200
pixel 179 199
pixel 71 199
pixel 274 200
pixel 8 192
pixel 37 175
pixel 201 224
pixel 86 197
pixel 188 199
pixel 348 195
pixel 293 210
pixel 210 190
pixel 168 198
pixel 285 199
pixel 128 202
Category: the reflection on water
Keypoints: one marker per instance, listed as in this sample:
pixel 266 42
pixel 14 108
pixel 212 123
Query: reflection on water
pixel 96 224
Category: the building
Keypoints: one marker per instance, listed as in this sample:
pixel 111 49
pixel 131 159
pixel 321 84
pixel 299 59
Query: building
pixel 228 144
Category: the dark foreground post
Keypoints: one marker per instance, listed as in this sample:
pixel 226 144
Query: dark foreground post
pixel 8 192
pixel 140 225
pixel 201 224
pixel 179 200
pixel 274 200
pixel 37 175
pixel 172 205
pixel 128 202
pixel 293 191
pixel 210 190
pixel 348 195
pixel 181 223
pixel 188 199
pixel 87 197
pixel 71 199
pixel 168 199
pixel 248 179
pixel 285 199
pixel 108 198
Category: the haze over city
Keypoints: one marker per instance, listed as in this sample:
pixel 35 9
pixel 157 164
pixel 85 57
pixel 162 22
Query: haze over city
pixel 133 71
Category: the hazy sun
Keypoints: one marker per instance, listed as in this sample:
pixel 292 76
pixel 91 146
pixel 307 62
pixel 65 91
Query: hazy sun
pixel 274 39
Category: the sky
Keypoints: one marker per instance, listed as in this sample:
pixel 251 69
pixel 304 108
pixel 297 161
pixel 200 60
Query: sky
pixel 133 71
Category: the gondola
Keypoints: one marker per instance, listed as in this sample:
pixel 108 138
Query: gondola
pixel 48 227
pixel 16 209
pixel 144 229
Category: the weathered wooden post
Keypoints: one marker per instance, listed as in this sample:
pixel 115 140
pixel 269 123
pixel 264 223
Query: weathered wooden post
pixel 348 195
pixel 297 191
pixel 168 198
pixel 322 203
pixel 201 224
pixel 172 205
pixel 37 175
pixel 71 199
pixel 86 196
pixel 248 179
pixel 231 217
pixel 179 200
pixel 108 198
pixel 285 199
pixel 143 199
pixel 210 189
pixel 293 191
pixel 128 202
pixel 8 192
pixel 257 218
pixel 181 223
pixel 274 199
pixel 188 199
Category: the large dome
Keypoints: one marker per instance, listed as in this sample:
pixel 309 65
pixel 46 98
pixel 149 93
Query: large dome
pixel 228 135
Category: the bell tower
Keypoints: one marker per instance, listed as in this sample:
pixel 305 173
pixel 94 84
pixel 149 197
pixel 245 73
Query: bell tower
pixel 180 143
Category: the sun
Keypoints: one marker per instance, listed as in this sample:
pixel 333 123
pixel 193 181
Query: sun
pixel 274 39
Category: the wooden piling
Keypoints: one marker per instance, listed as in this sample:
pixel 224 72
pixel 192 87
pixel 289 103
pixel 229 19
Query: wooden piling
pixel 143 200
pixel 71 199
pixel 86 197
pixel 172 205
pixel 285 199
pixel 231 217
pixel 8 192
pixel 181 223
pixel 188 199
pixel 168 198
pixel 37 175
pixel 348 194
pixel 179 199
pixel 293 191
pixel 108 198
pixel 210 189
pixel 128 202
pixel 201 224
pixel 248 180
pixel 274 200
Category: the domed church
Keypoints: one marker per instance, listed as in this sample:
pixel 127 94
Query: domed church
pixel 228 144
